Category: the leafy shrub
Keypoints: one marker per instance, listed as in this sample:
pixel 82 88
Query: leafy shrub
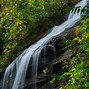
pixel 21 23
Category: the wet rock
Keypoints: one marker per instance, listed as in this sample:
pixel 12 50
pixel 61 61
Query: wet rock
pixel 57 56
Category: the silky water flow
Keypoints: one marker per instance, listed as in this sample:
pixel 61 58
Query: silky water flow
pixel 15 73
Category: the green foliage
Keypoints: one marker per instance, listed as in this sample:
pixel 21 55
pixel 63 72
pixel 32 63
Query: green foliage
pixel 78 75
pixel 79 72
pixel 21 23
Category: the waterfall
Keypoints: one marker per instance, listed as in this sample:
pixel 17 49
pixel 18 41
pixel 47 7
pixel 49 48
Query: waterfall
pixel 15 73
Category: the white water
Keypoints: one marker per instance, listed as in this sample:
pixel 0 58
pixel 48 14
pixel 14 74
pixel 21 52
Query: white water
pixel 16 72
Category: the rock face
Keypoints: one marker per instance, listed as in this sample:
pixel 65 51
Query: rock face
pixel 58 56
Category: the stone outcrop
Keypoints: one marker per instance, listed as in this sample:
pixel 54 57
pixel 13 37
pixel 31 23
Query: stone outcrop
pixel 55 62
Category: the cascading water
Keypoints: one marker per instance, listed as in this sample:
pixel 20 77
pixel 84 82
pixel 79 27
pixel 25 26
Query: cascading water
pixel 15 73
